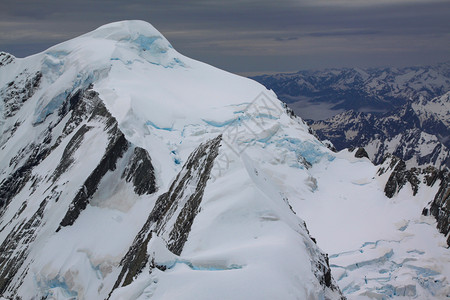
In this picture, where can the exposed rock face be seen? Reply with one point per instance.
(397, 179)
(83, 111)
(321, 268)
(440, 206)
(15, 247)
(12, 185)
(198, 166)
(141, 172)
(19, 91)
(174, 211)
(6, 58)
(361, 152)
(401, 175)
(108, 163)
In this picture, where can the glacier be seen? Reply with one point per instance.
(129, 171)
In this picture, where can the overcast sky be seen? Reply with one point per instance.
(244, 36)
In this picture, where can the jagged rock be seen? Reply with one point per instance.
(361, 152)
(107, 163)
(440, 206)
(141, 172)
(6, 58)
(15, 182)
(329, 145)
(397, 179)
(401, 175)
(200, 162)
(195, 173)
(19, 91)
(67, 157)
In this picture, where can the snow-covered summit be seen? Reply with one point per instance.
(129, 30)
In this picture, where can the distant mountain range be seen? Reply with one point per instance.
(405, 112)
(362, 90)
(417, 132)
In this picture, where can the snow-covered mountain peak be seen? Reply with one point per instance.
(124, 138)
(107, 41)
(135, 70)
(129, 30)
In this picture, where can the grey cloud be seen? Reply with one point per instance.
(344, 33)
(250, 35)
(283, 39)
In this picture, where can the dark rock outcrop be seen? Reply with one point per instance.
(19, 91)
(141, 172)
(361, 152)
(6, 58)
(320, 265)
(15, 247)
(67, 157)
(14, 183)
(107, 163)
(440, 206)
(397, 179)
(82, 111)
(401, 175)
(194, 174)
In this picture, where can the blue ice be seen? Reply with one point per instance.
(312, 152)
(172, 264)
(62, 285)
(146, 41)
(81, 82)
(150, 123)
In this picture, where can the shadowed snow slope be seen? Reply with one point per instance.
(129, 171)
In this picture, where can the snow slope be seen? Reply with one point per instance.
(97, 108)
(129, 171)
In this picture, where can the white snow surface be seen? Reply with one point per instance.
(246, 242)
